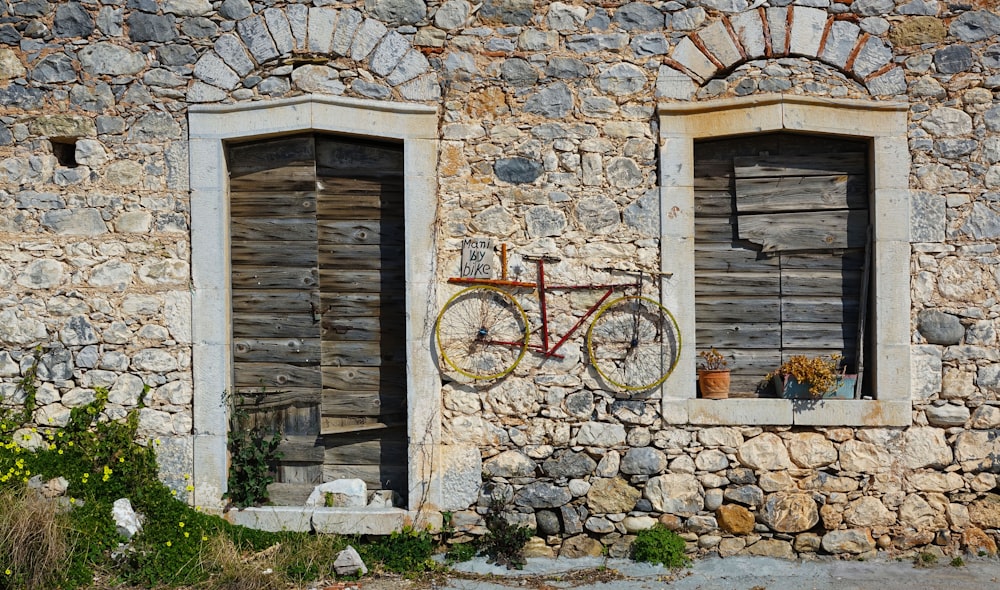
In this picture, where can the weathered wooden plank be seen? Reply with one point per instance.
(820, 283)
(362, 232)
(801, 193)
(349, 157)
(361, 450)
(288, 178)
(830, 336)
(713, 203)
(298, 351)
(350, 424)
(266, 154)
(708, 167)
(361, 403)
(842, 260)
(720, 230)
(276, 377)
(264, 301)
(351, 256)
(361, 208)
(261, 202)
(805, 230)
(246, 276)
(725, 257)
(300, 473)
(342, 280)
(364, 378)
(377, 477)
(713, 183)
(747, 361)
(302, 449)
(737, 309)
(300, 420)
(726, 283)
(355, 353)
(300, 254)
(341, 304)
(819, 309)
(273, 228)
(746, 386)
(275, 325)
(348, 328)
(739, 335)
(264, 398)
(801, 165)
(291, 494)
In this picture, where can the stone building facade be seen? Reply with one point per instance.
(563, 129)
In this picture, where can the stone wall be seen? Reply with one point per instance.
(549, 142)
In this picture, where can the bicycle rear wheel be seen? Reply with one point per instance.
(482, 332)
(634, 343)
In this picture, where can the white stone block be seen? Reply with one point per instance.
(777, 21)
(739, 411)
(720, 44)
(343, 493)
(807, 31)
(750, 31)
(273, 518)
(688, 55)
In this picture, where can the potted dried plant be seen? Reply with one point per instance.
(814, 377)
(713, 375)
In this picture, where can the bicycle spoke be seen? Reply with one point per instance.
(633, 343)
(482, 333)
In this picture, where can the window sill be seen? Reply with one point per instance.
(784, 412)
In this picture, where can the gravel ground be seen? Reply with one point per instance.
(737, 573)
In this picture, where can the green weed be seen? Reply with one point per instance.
(660, 545)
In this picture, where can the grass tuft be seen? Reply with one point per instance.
(33, 533)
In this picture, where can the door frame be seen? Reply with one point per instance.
(210, 126)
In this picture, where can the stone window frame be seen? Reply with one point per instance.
(210, 127)
(884, 125)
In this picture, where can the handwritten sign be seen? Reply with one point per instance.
(477, 258)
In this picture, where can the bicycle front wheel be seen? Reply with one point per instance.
(634, 343)
(482, 332)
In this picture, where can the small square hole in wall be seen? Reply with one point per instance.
(64, 150)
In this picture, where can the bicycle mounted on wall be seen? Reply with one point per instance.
(482, 332)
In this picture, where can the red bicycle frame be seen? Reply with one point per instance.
(543, 288)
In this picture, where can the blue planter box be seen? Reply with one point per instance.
(792, 389)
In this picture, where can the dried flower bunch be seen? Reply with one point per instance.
(821, 373)
(712, 360)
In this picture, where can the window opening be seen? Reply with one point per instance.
(64, 150)
(781, 239)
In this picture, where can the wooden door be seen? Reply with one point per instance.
(361, 238)
(318, 306)
(780, 230)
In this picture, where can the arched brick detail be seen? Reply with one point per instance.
(765, 33)
(308, 37)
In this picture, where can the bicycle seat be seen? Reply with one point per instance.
(543, 258)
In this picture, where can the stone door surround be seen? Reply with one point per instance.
(416, 126)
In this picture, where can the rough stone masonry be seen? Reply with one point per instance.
(549, 142)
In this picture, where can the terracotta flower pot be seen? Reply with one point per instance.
(714, 384)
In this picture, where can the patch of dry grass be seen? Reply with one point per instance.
(34, 535)
(232, 569)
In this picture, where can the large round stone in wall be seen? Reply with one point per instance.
(789, 513)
